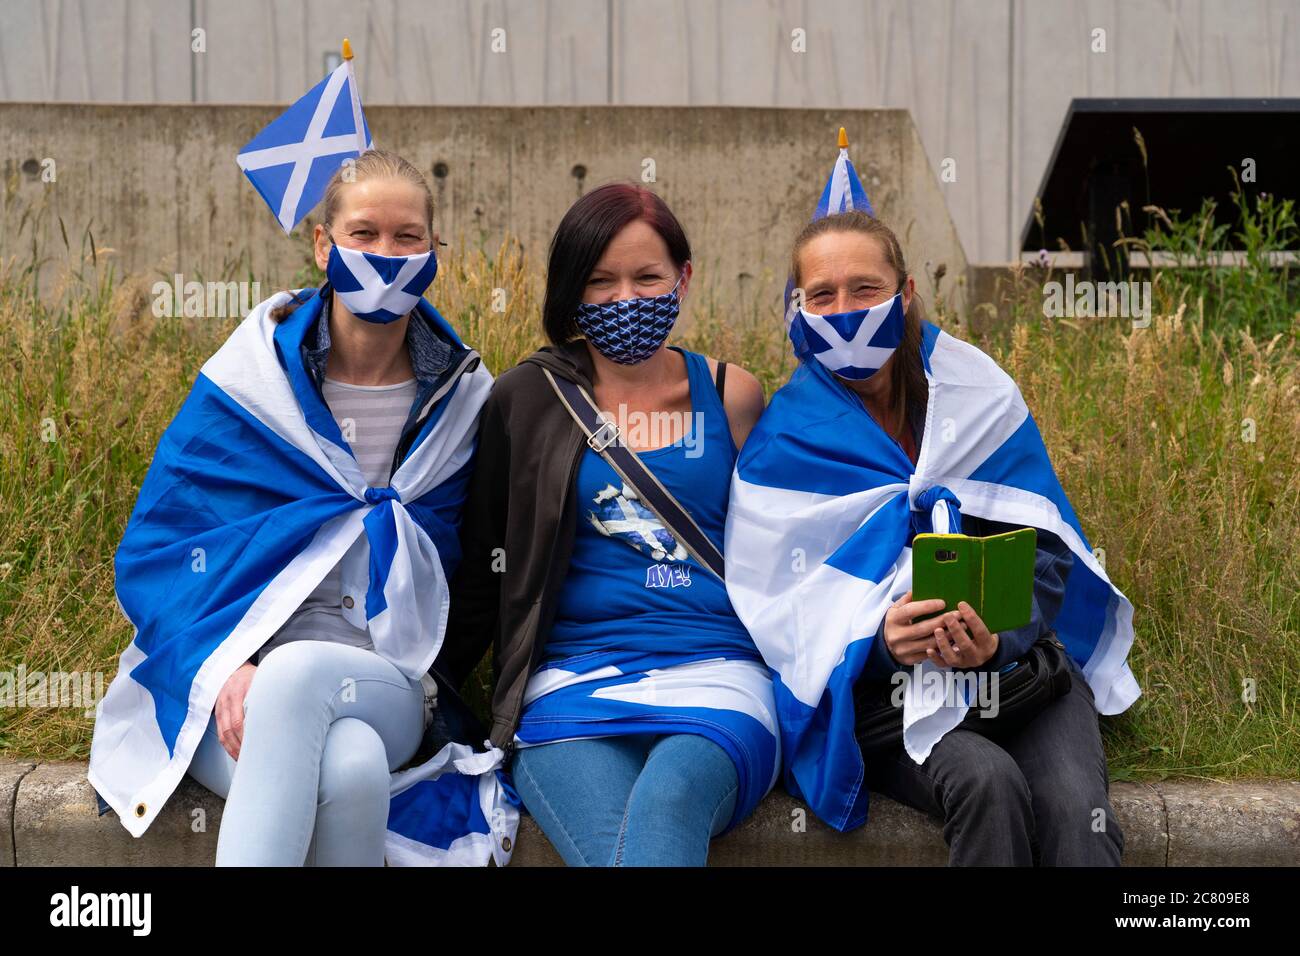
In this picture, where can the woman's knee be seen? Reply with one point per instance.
(983, 773)
(290, 675)
(684, 769)
(1074, 803)
(354, 765)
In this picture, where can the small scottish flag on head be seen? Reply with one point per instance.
(843, 190)
(853, 345)
(291, 161)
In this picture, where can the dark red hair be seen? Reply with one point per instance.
(581, 238)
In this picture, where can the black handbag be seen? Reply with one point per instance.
(1024, 688)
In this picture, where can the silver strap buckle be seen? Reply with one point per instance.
(430, 687)
(596, 440)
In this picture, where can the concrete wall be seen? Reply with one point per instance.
(987, 81)
(159, 184)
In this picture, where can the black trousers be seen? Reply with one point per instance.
(1039, 795)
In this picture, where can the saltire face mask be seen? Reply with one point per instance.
(853, 345)
(379, 288)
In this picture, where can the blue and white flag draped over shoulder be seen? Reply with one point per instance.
(252, 498)
(634, 691)
(823, 508)
(291, 161)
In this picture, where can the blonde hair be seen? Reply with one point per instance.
(372, 164)
(375, 164)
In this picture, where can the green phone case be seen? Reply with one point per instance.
(994, 575)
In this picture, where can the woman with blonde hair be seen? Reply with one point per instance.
(286, 563)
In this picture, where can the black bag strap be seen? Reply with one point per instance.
(720, 380)
(603, 438)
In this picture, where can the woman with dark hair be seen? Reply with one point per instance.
(637, 709)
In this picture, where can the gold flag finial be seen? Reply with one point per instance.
(844, 137)
(347, 49)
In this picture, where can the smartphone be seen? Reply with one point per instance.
(994, 575)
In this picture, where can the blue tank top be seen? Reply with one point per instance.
(630, 585)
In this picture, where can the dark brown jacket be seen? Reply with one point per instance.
(519, 515)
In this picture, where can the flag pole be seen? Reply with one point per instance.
(356, 96)
(844, 137)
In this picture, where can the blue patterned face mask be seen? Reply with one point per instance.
(632, 330)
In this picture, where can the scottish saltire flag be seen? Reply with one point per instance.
(252, 497)
(634, 691)
(843, 191)
(456, 809)
(823, 508)
(291, 161)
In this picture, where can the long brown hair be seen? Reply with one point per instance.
(372, 164)
(908, 388)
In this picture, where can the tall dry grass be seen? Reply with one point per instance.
(1180, 450)
(1148, 430)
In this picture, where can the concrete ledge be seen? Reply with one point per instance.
(1233, 824)
(54, 821)
(11, 772)
(783, 832)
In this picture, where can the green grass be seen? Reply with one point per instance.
(1145, 428)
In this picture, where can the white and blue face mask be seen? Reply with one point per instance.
(379, 288)
(631, 330)
(853, 345)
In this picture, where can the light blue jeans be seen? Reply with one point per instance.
(324, 724)
(633, 800)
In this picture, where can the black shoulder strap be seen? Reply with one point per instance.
(720, 380)
(603, 438)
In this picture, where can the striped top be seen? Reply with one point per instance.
(371, 419)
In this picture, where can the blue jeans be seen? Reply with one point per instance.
(632, 800)
(324, 724)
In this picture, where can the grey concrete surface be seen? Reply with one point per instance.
(1233, 824)
(11, 772)
(988, 81)
(57, 823)
(159, 189)
(1176, 823)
